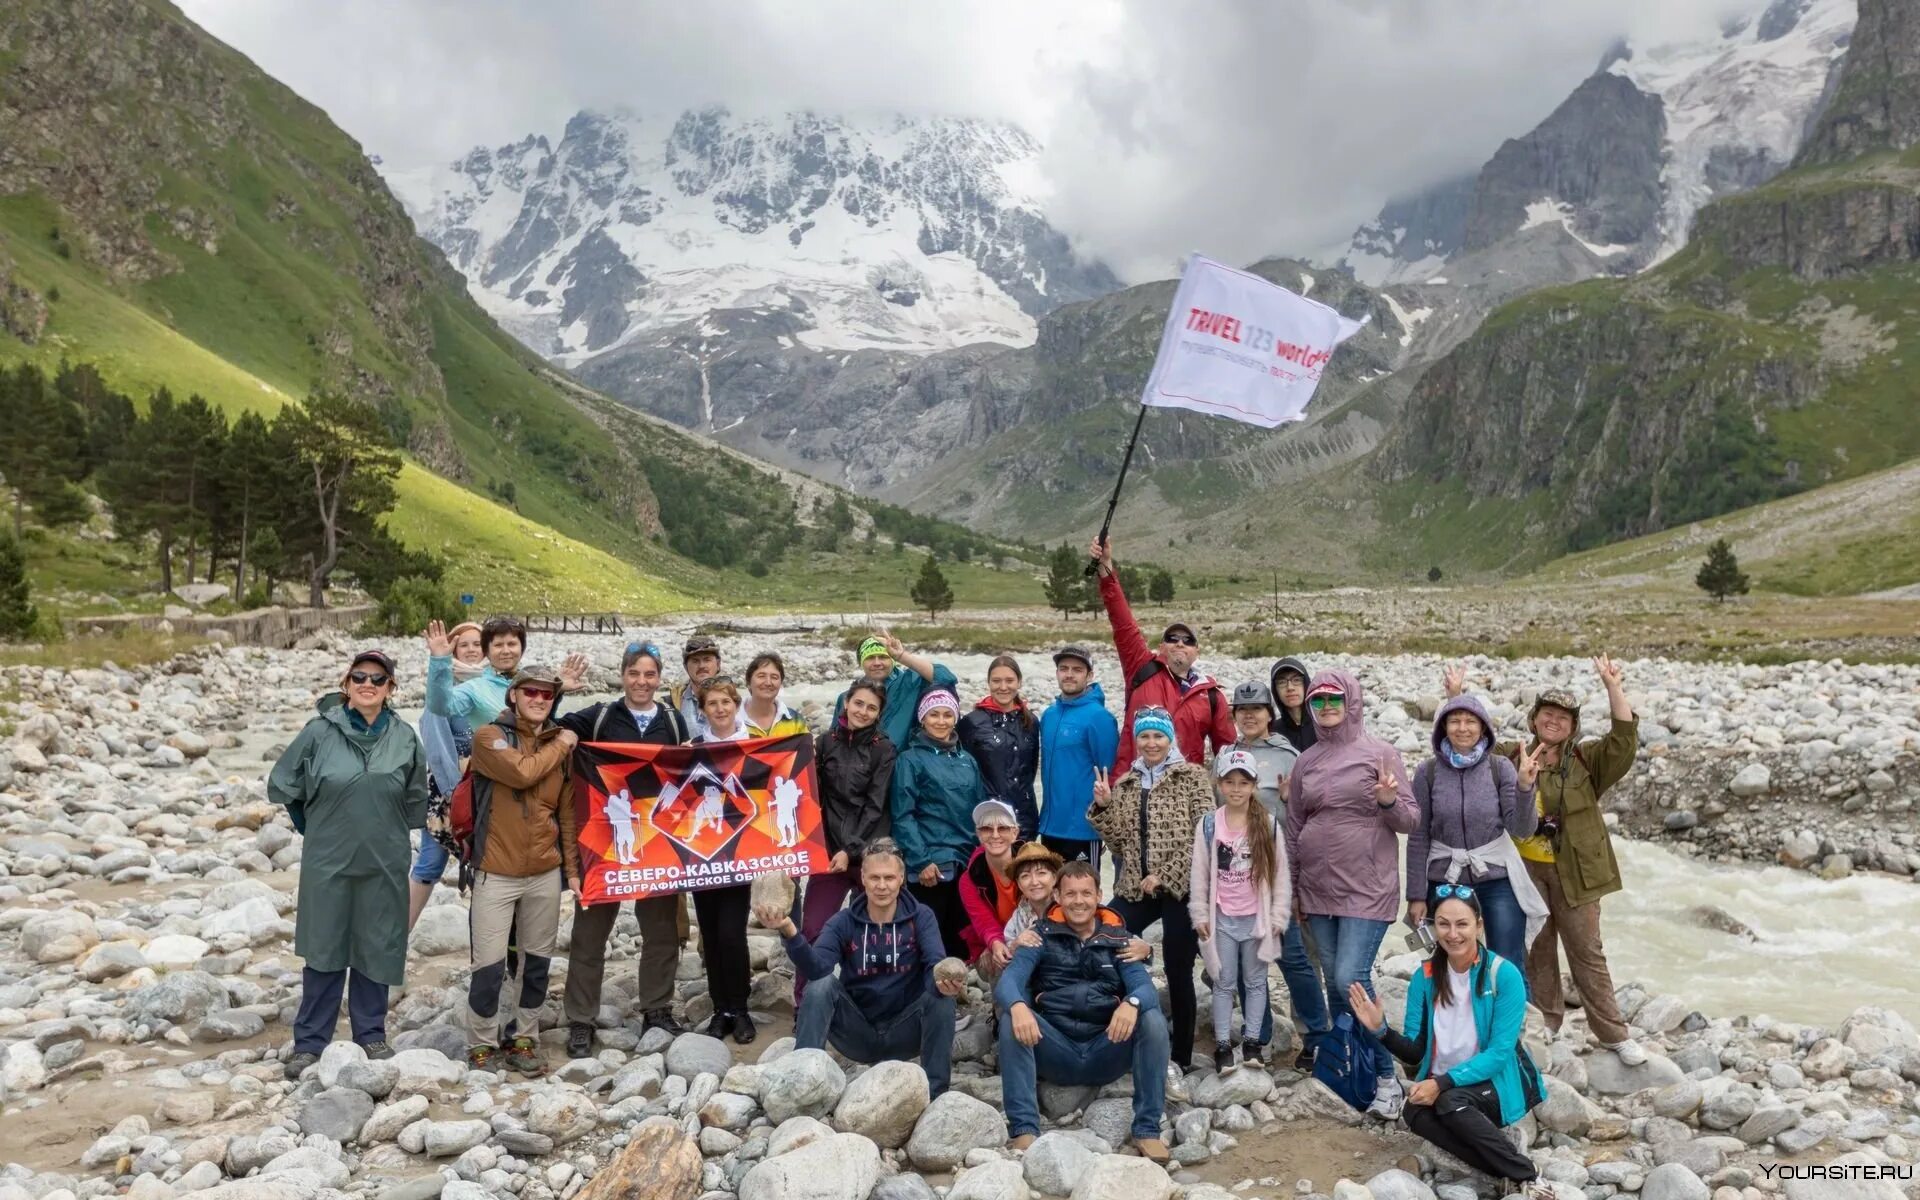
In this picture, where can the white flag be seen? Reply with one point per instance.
(1238, 346)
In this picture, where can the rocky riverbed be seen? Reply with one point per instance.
(147, 982)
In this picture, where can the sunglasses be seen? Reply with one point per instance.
(647, 648)
(376, 678)
(1181, 639)
(538, 693)
(1453, 891)
(1328, 702)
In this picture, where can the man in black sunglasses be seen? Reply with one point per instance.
(1163, 677)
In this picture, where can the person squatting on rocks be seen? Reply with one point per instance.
(1473, 804)
(354, 783)
(1148, 816)
(1570, 857)
(1348, 799)
(1241, 902)
(1253, 716)
(936, 789)
(524, 849)
(1004, 738)
(907, 677)
(449, 741)
(722, 911)
(853, 768)
(1078, 738)
(636, 718)
(872, 992)
(987, 890)
(1163, 678)
(1466, 1011)
(1074, 1011)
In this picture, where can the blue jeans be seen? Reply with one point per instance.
(1348, 946)
(1506, 920)
(922, 1030)
(1060, 1059)
(430, 863)
(1308, 998)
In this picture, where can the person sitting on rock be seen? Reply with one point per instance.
(354, 782)
(871, 990)
(1466, 1010)
(1570, 857)
(1073, 1011)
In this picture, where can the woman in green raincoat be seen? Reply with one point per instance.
(354, 782)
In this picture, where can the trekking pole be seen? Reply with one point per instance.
(1113, 502)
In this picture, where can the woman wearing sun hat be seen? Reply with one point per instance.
(354, 783)
(936, 788)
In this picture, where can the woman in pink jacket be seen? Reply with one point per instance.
(1240, 900)
(1348, 800)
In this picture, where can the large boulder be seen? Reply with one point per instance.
(338, 1113)
(952, 1125)
(58, 936)
(997, 1180)
(842, 1167)
(1609, 1076)
(181, 998)
(806, 1083)
(1055, 1162)
(1119, 1177)
(1673, 1181)
(563, 1115)
(659, 1162)
(694, 1054)
(884, 1103)
(442, 930)
(1241, 1087)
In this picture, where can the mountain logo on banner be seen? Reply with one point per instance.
(705, 812)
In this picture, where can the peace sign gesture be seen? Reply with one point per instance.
(1453, 678)
(1529, 764)
(1609, 672)
(1102, 787)
(439, 645)
(1386, 787)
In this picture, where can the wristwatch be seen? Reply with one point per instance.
(1134, 1000)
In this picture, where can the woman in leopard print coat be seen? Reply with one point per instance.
(1146, 818)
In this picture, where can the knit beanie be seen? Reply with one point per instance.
(1153, 720)
(937, 698)
(873, 647)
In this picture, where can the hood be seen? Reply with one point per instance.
(333, 706)
(1093, 695)
(924, 740)
(1285, 664)
(1458, 704)
(1354, 727)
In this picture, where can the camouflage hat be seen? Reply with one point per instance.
(536, 673)
(1557, 698)
(699, 643)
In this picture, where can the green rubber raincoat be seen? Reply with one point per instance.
(355, 792)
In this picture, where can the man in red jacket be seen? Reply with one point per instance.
(1163, 677)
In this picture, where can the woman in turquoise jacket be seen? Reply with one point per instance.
(1466, 1008)
(936, 787)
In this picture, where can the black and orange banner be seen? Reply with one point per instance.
(661, 819)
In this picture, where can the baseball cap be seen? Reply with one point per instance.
(994, 812)
(1328, 688)
(1180, 627)
(1253, 695)
(1073, 650)
(1230, 761)
(375, 656)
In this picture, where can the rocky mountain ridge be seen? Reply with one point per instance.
(890, 232)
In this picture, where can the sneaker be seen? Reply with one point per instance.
(579, 1040)
(298, 1064)
(1153, 1150)
(1631, 1052)
(377, 1050)
(480, 1058)
(1250, 1052)
(523, 1056)
(1176, 1083)
(1223, 1057)
(1388, 1099)
(743, 1030)
(662, 1018)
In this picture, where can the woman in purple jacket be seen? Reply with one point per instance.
(1348, 798)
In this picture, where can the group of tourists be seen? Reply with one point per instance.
(984, 835)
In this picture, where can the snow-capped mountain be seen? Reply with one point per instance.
(897, 233)
(1618, 170)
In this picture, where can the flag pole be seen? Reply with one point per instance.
(1113, 502)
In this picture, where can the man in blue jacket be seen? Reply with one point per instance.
(885, 1002)
(1077, 734)
(1074, 1012)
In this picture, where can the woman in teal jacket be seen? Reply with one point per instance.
(936, 787)
(1466, 1008)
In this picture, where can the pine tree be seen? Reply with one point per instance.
(930, 590)
(17, 614)
(147, 481)
(1066, 585)
(348, 470)
(1720, 576)
(1160, 588)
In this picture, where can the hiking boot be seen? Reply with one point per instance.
(661, 1018)
(1152, 1149)
(1222, 1057)
(377, 1050)
(743, 1030)
(1631, 1053)
(1020, 1143)
(579, 1040)
(1303, 1061)
(523, 1056)
(297, 1065)
(1388, 1099)
(480, 1058)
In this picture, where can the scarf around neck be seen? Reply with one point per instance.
(1470, 758)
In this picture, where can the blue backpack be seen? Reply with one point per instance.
(1348, 1062)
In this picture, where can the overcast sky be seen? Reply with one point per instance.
(1238, 128)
